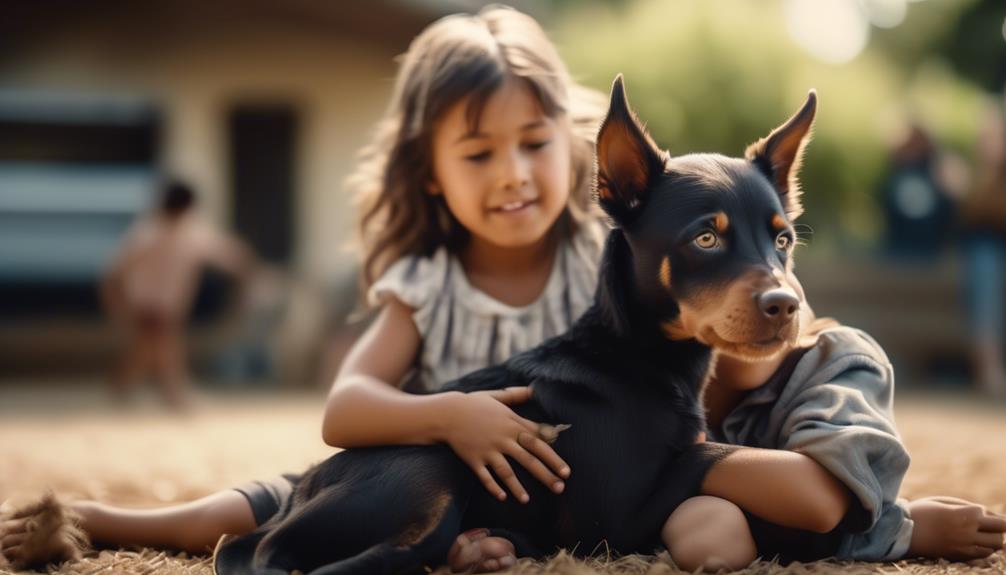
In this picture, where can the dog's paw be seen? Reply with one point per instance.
(46, 531)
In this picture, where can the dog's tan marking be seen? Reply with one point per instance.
(665, 273)
(604, 188)
(726, 318)
(419, 530)
(675, 330)
(627, 156)
(721, 222)
(621, 169)
(693, 314)
(701, 308)
(779, 223)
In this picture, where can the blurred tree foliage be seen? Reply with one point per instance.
(969, 50)
(716, 75)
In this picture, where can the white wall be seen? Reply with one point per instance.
(338, 84)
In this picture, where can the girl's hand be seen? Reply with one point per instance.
(955, 529)
(482, 430)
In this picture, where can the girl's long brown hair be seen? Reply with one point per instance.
(458, 57)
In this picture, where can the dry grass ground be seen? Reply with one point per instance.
(70, 440)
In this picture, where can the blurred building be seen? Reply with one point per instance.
(261, 106)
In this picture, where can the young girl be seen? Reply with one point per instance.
(479, 242)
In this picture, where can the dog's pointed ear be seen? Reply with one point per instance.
(780, 154)
(627, 158)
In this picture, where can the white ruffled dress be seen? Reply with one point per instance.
(464, 329)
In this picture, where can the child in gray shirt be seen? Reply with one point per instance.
(823, 474)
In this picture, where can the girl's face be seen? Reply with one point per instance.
(508, 182)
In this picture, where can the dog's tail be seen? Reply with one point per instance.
(234, 555)
(387, 558)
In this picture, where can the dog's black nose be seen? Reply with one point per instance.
(779, 303)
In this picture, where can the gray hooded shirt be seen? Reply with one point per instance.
(833, 402)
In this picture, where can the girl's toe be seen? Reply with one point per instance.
(12, 540)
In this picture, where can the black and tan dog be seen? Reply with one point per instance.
(698, 263)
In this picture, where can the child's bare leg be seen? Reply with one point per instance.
(709, 533)
(194, 527)
(173, 372)
(990, 371)
(134, 364)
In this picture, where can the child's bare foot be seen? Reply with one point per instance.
(955, 529)
(475, 551)
(43, 532)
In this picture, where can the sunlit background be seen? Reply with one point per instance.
(905, 93)
(261, 106)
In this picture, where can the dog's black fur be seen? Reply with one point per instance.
(627, 376)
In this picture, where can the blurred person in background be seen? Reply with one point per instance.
(984, 222)
(917, 200)
(149, 287)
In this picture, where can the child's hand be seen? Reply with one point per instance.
(482, 430)
(955, 529)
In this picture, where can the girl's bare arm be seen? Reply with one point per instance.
(364, 408)
(783, 487)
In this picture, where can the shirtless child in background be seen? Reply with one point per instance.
(149, 287)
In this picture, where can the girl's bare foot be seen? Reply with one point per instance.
(475, 551)
(43, 532)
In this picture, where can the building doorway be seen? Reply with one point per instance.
(263, 156)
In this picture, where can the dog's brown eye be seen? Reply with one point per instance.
(707, 240)
(782, 242)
